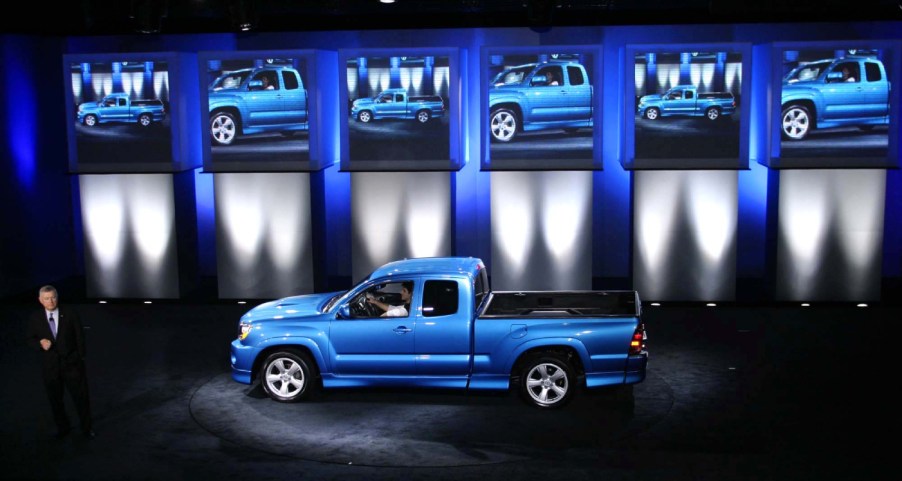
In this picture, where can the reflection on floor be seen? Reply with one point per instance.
(736, 392)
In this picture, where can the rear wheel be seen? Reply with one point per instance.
(287, 376)
(144, 120)
(712, 113)
(423, 116)
(547, 380)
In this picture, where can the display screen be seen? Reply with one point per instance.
(687, 111)
(834, 106)
(540, 109)
(121, 116)
(400, 110)
(257, 112)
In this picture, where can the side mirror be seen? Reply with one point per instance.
(255, 85)
(344, 312)
(834, 77)
(538, 80)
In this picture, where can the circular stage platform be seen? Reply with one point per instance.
(424, 428)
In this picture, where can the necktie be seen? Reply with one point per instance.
(52, 326)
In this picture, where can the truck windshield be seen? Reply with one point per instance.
(512, 76)
(809, 71)
(230, 80)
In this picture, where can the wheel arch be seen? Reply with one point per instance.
(513, 107)
(236, 114)
(300, 345)
(809, 104)
(572, 350)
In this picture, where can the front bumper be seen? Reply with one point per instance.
(242, 361)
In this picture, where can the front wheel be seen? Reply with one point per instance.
(652, 113)
(91, 120)
(504, 125)
(144, 120)
(547, 381)
(287, 376)
(364, 116)
(423, 116)
(712, 113)
(223, 128)
(796, 122)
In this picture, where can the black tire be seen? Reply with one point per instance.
(423, 116)
(652, 113)
(365, 116)
(90, 120)
(223, 128)
(547, 380)
(795, 122)
(712, 114)
(288, 376)
(503, 124)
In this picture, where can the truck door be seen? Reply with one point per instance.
(681, 102)
(117, 110)
(294, 99)
(443, 331)
(844, 96)
(549, 101)
(876, 91)
(579, 94)
(264, 104)
(368, 344)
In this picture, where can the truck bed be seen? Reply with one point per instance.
(562, 304)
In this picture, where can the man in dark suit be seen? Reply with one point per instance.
(57, 334)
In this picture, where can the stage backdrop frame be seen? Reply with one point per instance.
(105, 148)
(389, 160)
(849, 152)
(689, 160)
(506, 153)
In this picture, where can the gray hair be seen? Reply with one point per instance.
(47, 288)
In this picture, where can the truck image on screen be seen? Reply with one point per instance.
(120, 107)
(539, 96)
(686, 100)
(256, 100)
(396, 104)
(838, 92)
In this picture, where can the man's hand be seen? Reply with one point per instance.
(45, 343)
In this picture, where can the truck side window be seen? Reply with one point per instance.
(399, 97)
(122, 102)
(440, 298)
(850, 72)
(872, 72)
(689, 94)
(291, 80)
(576, 76)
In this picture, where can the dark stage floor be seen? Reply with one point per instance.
(737, 392)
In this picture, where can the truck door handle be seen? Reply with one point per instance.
(402, 329)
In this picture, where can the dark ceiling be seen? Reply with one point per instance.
(114, 17)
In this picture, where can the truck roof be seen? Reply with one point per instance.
(429, 265)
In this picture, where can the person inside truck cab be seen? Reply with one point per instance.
(401, 310)
(847, 74)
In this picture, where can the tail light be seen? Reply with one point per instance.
(637, 342)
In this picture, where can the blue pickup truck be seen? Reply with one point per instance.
(838, 92)
(396, 104)
(448, 330)
(121, 108)
(686, 100)
(539, 96)
(255, 101)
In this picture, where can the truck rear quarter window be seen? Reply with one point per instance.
(440, 298)
(291, 80)
(576, 76)
(872, 71)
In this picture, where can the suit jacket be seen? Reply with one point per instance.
(68, 349)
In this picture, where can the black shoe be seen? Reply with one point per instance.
(89, 434)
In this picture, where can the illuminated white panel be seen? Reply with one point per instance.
(399, 215)
(129, 229)
(541, 230)
(733, 76)
(380, 79)
(161, 84)
(97, 85)
(684, 246)
(263, 234)
(639, 77)
(76, 87)
(352, 82)
(127, 82)
(695, 74)
(707, 74)
(441, 78)
(830, 234)
(664, 72)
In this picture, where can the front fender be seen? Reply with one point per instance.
(291, 341)
(797, 94)
(227, 101)
(505, 97)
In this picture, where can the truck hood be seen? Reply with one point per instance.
(363, 101)
(646, 98)
(295, 306)
(89, 105)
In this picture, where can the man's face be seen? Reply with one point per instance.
(48, 300)
(405, 294)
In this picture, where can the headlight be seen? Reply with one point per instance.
(243, 330)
